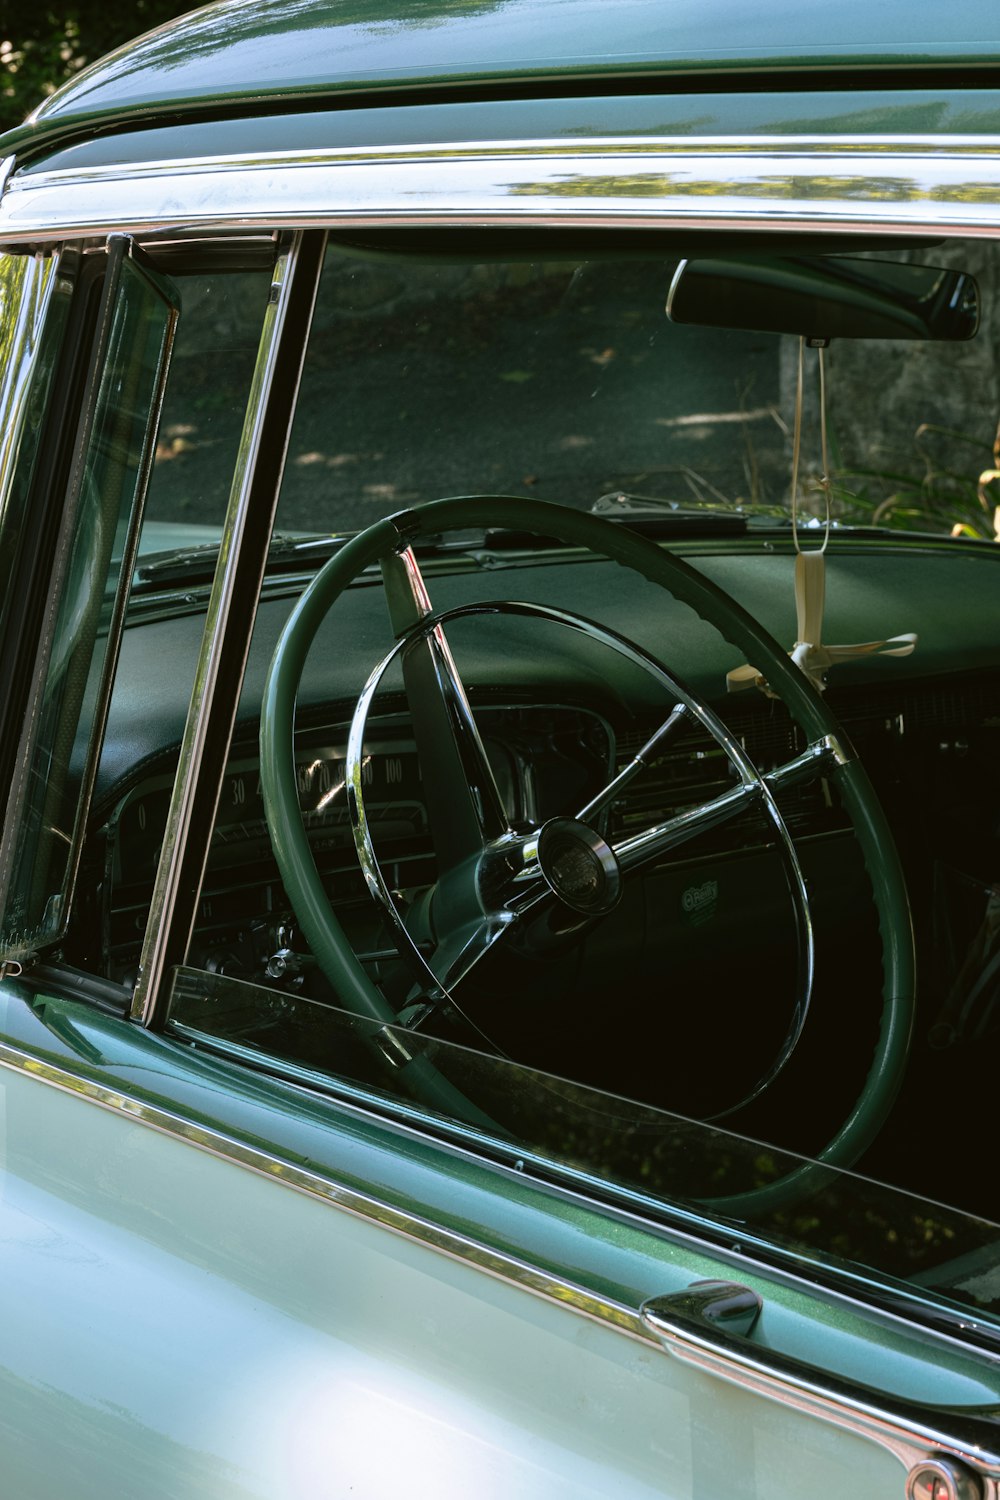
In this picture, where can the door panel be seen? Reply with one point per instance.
(213, 1329)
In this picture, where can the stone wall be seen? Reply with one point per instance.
(911, 424)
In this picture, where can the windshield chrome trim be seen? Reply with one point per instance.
(840, 184)
(884, 1424)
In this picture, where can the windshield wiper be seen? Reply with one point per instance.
(191, 566)
(658, 516)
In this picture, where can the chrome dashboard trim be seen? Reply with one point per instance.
(850, 183)
(884, 1427)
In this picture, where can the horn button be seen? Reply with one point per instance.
(579, 866)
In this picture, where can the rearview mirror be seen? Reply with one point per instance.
(826, 297)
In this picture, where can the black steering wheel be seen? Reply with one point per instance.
(495, 880)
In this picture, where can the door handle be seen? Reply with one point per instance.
(709, 1325)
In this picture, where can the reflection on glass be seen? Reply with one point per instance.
(212, 364)
(833, 1218)
(29, 341)
(109, 476)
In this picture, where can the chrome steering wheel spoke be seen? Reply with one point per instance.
(816, 760)
(464, 805)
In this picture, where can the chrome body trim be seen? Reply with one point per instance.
(693, 1325)
(366, 1206)
(850, 183)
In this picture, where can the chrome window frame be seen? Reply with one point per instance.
(861, 185)
(235, 595)
(122, 261)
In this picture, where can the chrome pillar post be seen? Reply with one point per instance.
(225, 644)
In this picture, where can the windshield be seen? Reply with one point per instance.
(565, 381)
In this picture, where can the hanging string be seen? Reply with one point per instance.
(825, 483)
(809, 653)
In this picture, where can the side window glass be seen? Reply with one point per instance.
(94, 557)
(211, 367)
(511, 713)
(541, 1123)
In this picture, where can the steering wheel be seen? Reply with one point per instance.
(494, 880)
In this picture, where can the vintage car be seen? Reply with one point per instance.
(499, 728)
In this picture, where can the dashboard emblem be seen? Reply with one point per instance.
(698, 902)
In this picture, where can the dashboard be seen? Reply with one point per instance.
(543, 760)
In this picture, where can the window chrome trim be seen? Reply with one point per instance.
(235, 592)
(855, 184)
(890, 1424)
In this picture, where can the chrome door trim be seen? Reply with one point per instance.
(687, 1326)
(378, 1211)
(849, 184)
(882, 1428)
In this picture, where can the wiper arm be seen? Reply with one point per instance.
(190, 566)
(661, 518)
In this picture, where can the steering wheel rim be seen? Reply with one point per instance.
(323, 930)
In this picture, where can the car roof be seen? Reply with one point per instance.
(255, 56)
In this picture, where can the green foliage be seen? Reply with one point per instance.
(41, 47)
